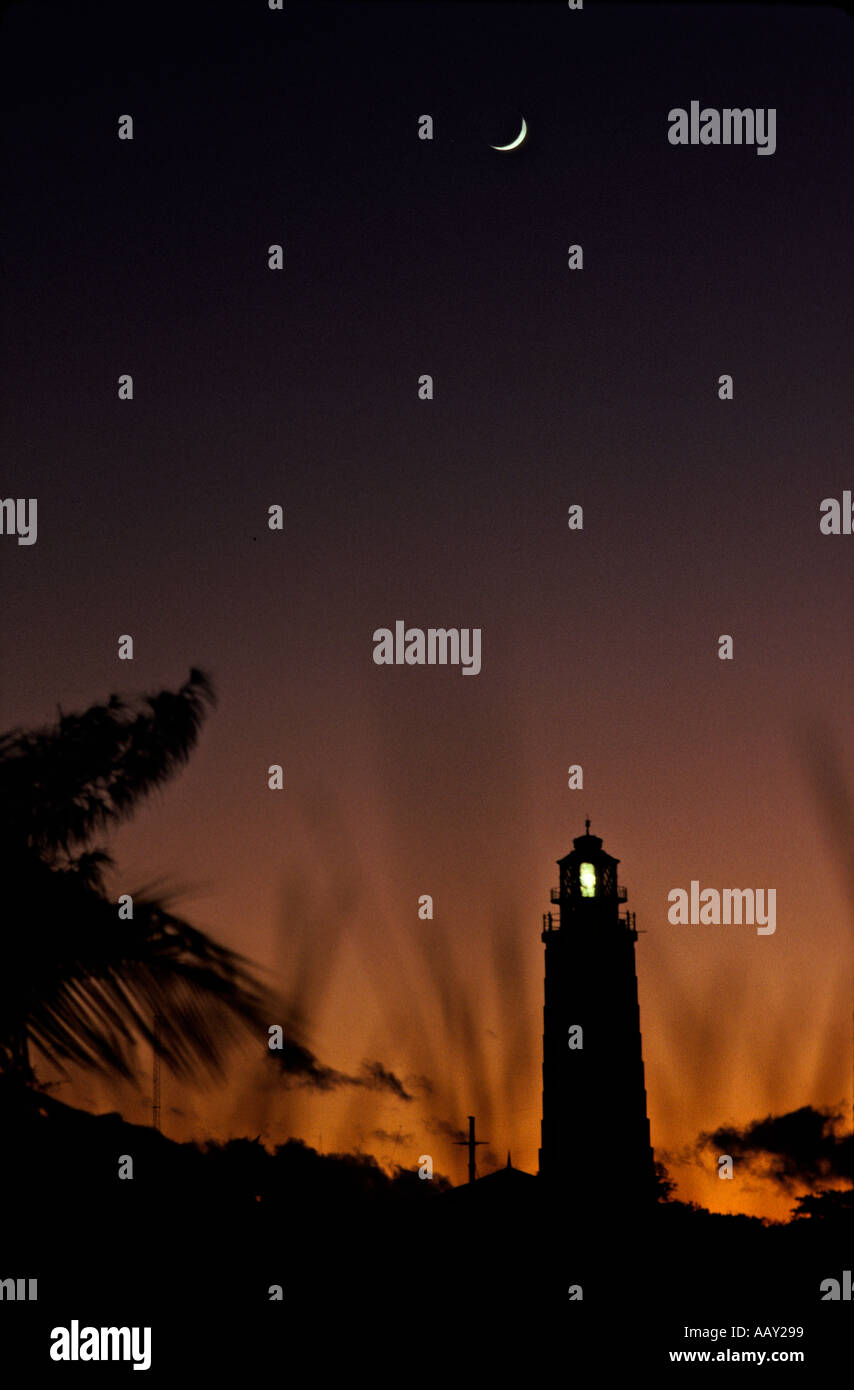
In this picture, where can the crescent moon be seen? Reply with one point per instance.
(514, 143)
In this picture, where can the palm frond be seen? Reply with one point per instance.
(61, 784)
(79, 983)
(87, 985)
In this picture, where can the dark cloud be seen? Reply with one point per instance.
(436, 1125)
(417, 1082)
(376, 1078)
(799, 1148)
(386, 1138)
(302, 1068)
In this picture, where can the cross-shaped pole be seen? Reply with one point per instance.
(471, 1144)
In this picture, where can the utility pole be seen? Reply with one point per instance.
(471, 1144)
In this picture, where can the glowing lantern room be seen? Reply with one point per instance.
(588, 876)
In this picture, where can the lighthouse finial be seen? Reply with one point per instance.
(587, 826)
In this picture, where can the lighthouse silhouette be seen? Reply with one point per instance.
(595, 1130)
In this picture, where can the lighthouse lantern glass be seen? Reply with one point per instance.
(587, 879)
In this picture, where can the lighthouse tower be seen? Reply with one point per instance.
(595, 1131)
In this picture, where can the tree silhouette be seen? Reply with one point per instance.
(663, 1185)
(77, 982)
(833, 1204)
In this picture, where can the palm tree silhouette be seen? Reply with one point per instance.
(78, 983)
